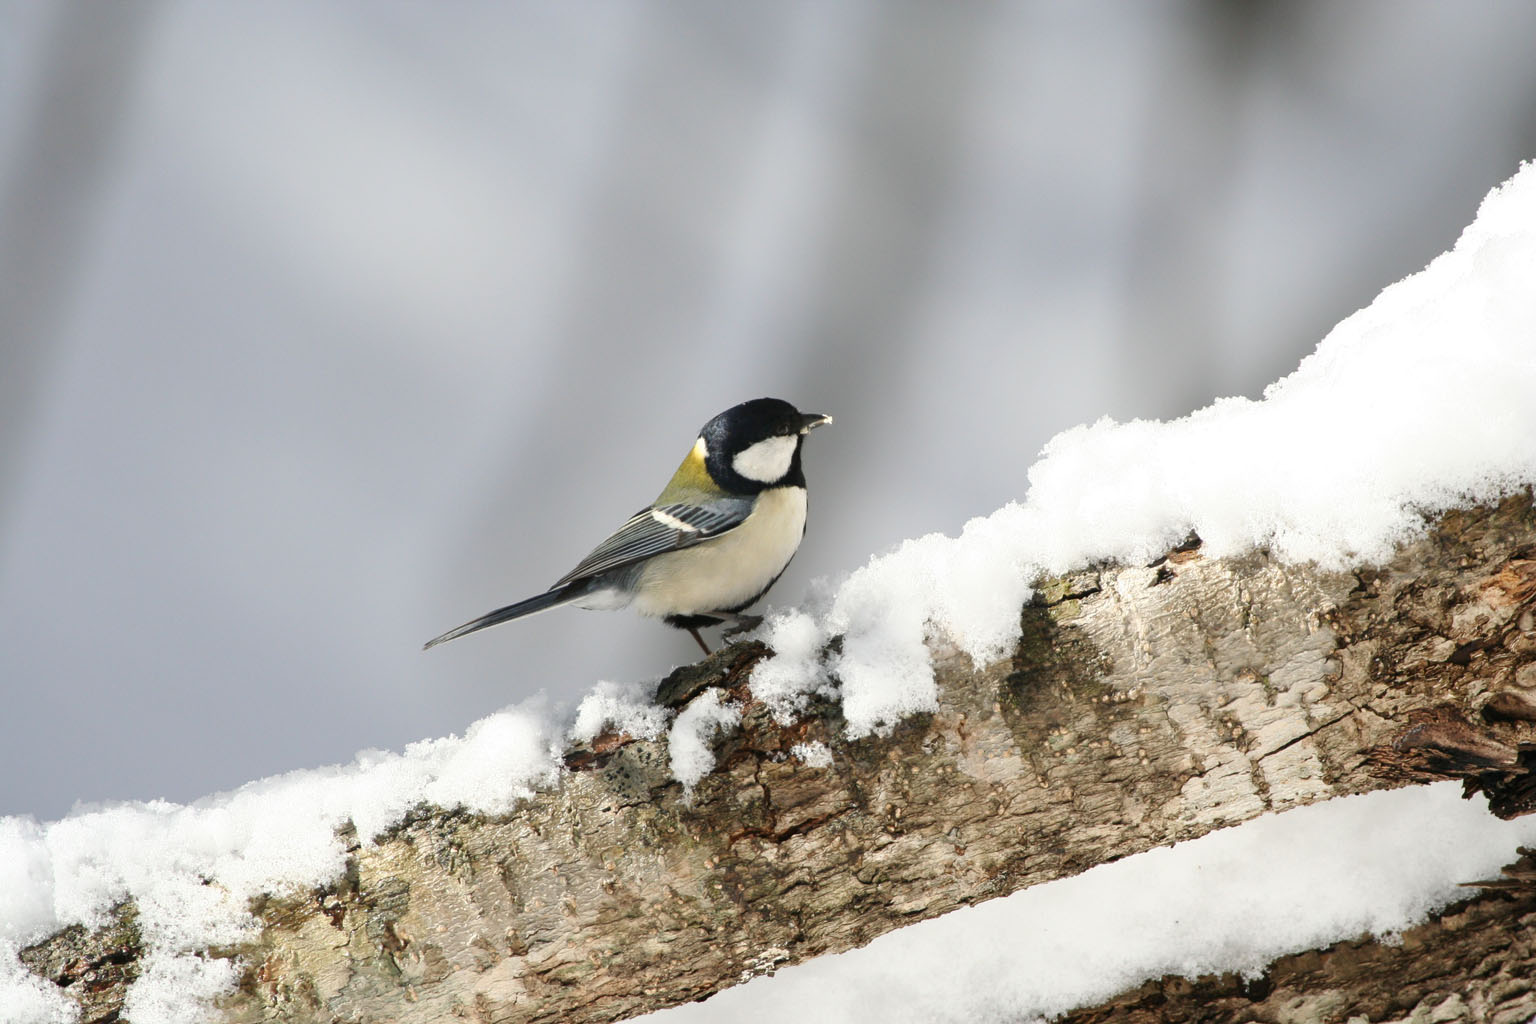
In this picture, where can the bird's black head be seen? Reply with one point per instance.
(756, 445)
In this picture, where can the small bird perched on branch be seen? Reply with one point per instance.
(716, 538)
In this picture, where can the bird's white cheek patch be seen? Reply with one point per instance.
(767, 461)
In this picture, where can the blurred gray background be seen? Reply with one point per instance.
(327, 326)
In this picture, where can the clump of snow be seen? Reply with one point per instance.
(815, 753)
(967, 590)
(688, 742)
(1418, 403)
(625, 707)
(192, 870)
(500, 761)
(1232, 900)
(24, 997)
(26, 877)
(177, 988)
(785, 682)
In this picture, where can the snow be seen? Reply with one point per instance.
(1415, 404)
(622, 707)
(1233, 900)
(781, 682)
(175, 988)
(688, 742)
(1418, 403)
(26, 998)
(815, 753)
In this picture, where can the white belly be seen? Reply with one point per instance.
(730, 570)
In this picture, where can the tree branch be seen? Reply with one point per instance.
(1143, 705)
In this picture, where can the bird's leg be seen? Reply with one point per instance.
(739, 623)
(694, 630)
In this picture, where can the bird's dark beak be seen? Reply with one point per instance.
(811, 420)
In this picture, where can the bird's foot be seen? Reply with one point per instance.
(740, 624)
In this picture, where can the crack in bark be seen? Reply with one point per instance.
(1313, 729)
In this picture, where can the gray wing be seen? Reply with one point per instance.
(659, 529)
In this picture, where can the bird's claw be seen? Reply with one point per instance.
(741, 624)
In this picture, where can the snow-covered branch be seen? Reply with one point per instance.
(1143, 705)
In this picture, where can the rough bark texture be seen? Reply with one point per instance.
(1143, 705)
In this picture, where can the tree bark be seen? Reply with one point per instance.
(1143, 705)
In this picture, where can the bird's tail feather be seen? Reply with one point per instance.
(541, 602)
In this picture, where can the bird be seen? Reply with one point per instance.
(718, 536)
